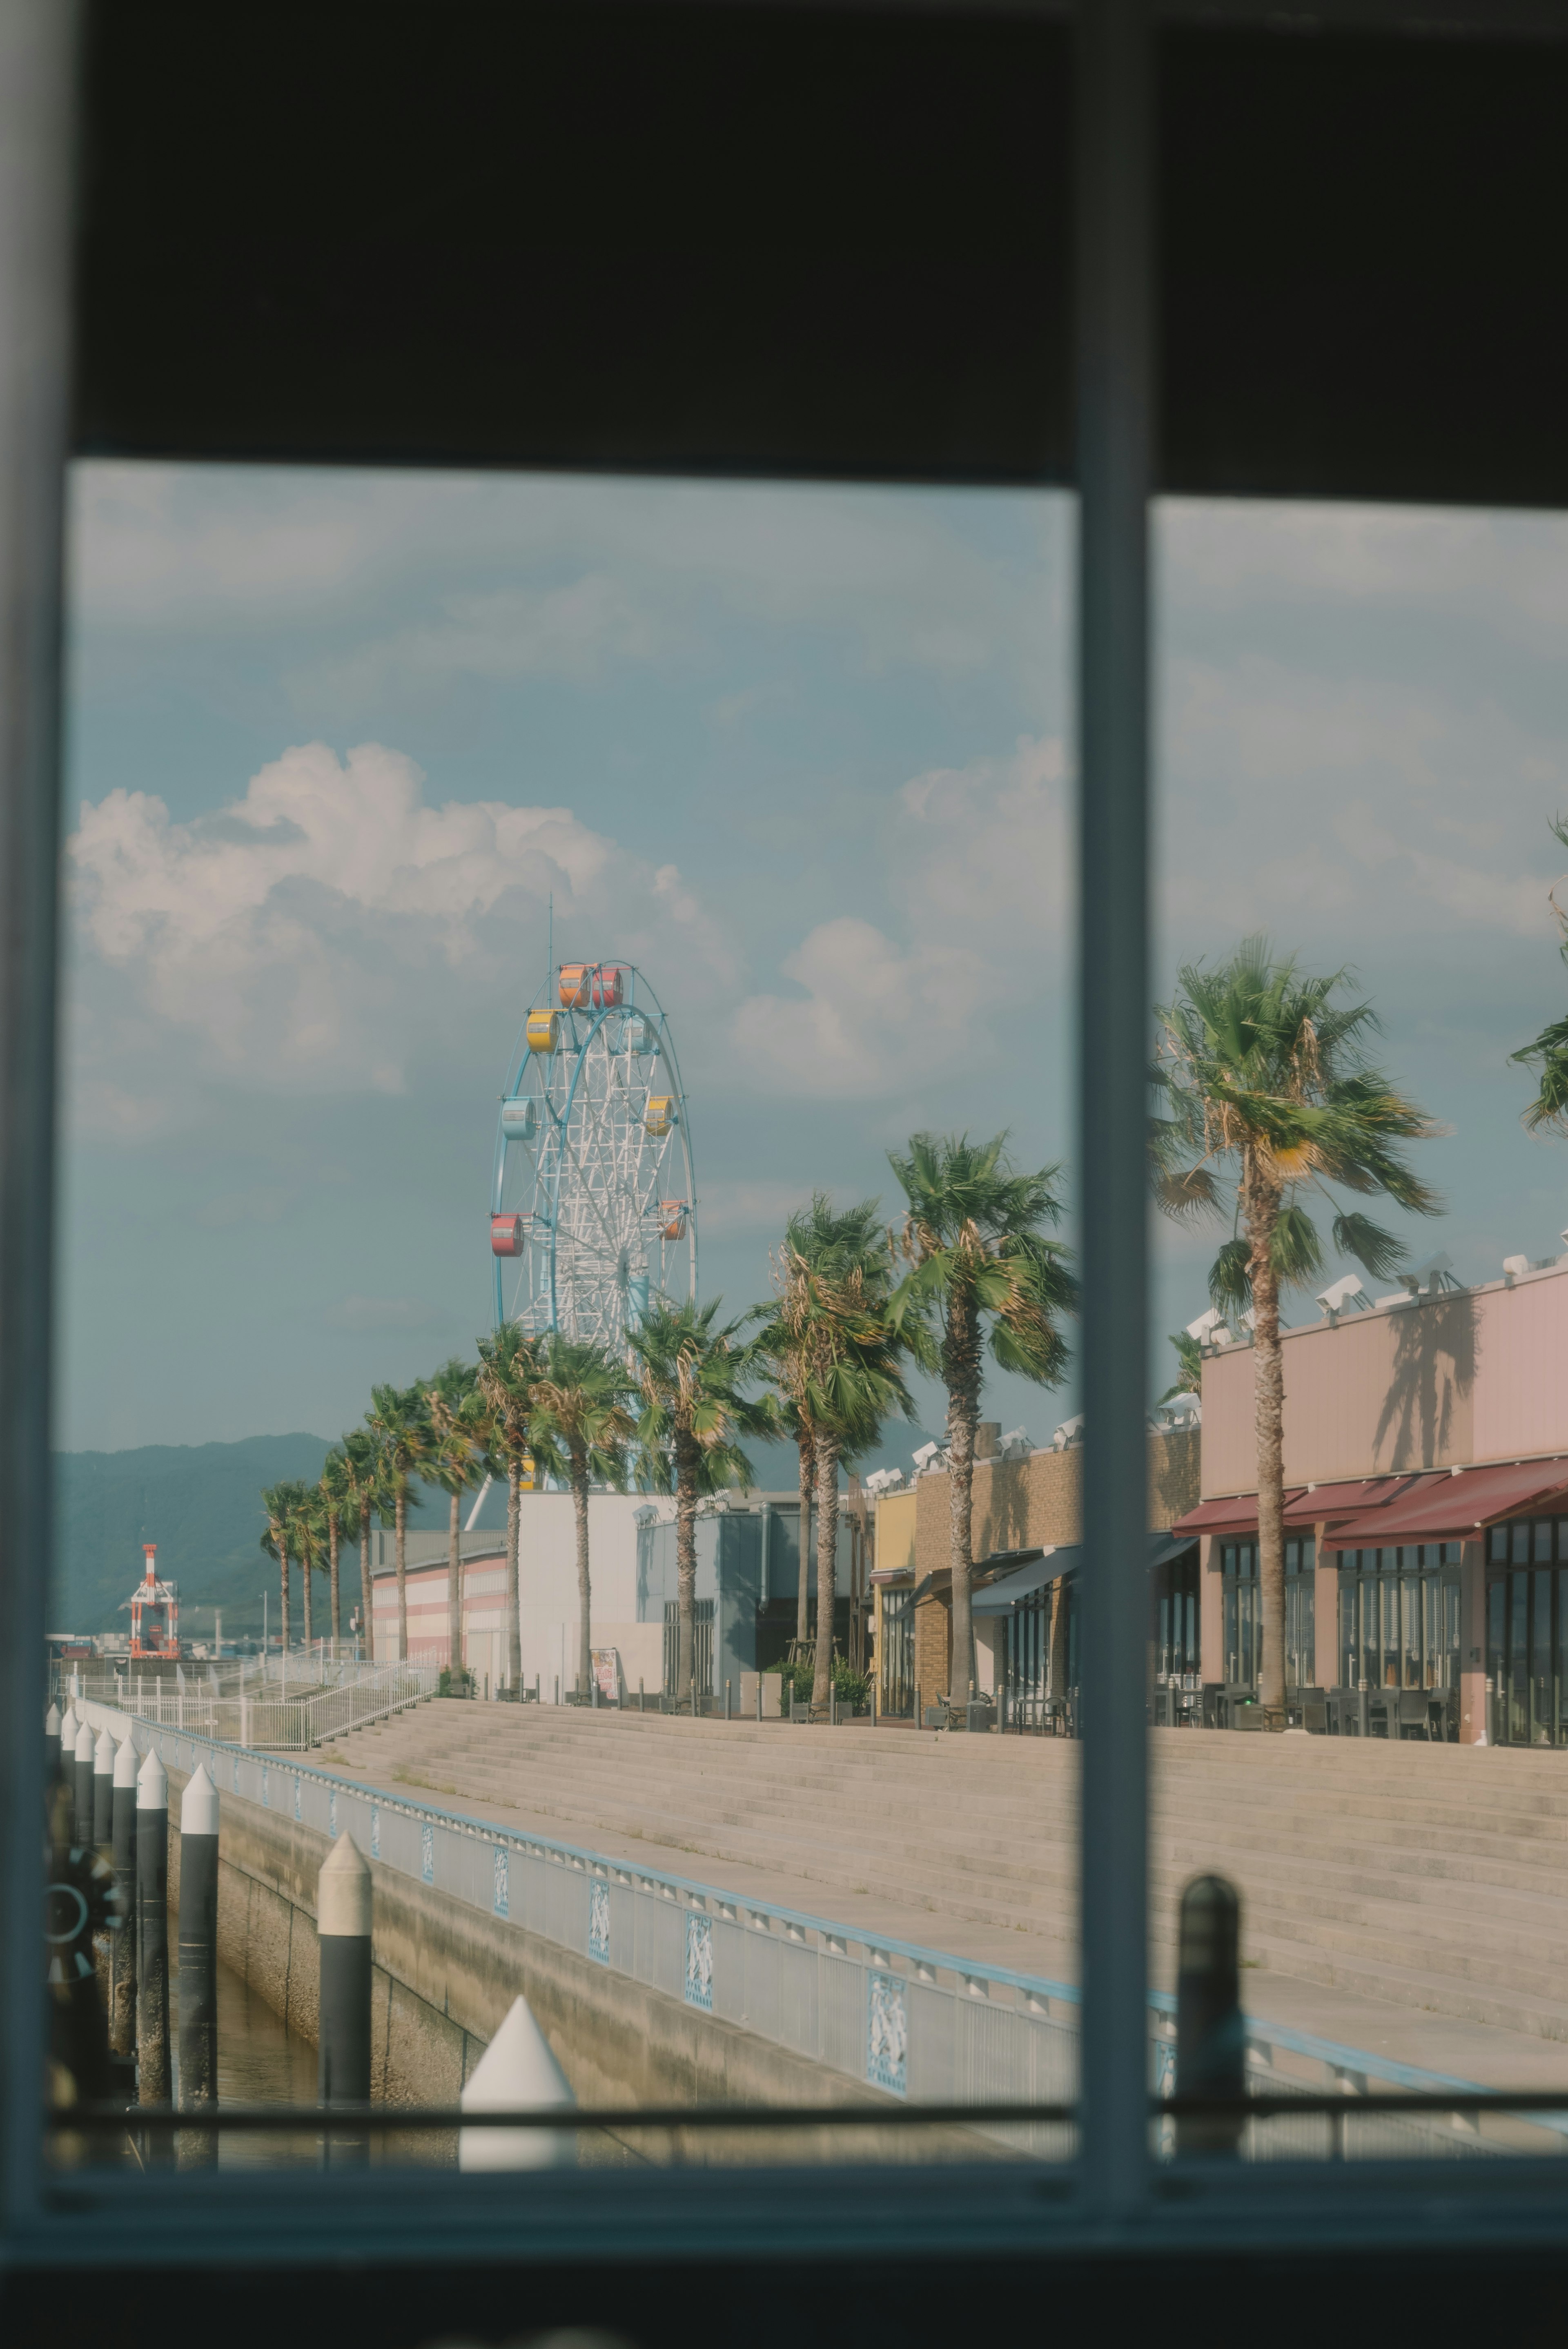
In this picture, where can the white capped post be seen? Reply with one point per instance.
(518, 2069)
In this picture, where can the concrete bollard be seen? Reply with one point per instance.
(1211, 2031)
(517, 2069)
(122, 1962)
(82, 1788)
(103, 1789)
(198, 1950)
(343, 1901)
(51, 1745)
(152, 2081)
(727, 1711)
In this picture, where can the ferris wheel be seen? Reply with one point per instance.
(592, 1208)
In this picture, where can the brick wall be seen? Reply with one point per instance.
(1032, 1504)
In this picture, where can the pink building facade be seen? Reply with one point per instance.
(1426, 1453)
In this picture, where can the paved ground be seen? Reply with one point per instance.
(1453, 2044)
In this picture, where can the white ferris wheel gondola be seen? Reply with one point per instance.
(593, 1213)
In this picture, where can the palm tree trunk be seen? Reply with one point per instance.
(332, 1571)
(364, 1581)
(284, 1617)
(803, 1596)
(827, 1565)
(514, 1614)
(685, 1570)
(1056, 1686)
(585, 1596)
(455, 1589)
(304, 1567)
(401, 1529)
(1260, 1209)
(961, 1373)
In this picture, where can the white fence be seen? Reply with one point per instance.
(920, 2024)
(251, 1711)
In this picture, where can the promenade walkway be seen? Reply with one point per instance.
(1409, 1900)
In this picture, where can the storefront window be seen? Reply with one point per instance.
(1399, 1617)
(1527, 1633)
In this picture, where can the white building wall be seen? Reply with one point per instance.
(547, 1598)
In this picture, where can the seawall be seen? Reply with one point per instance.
(446, 1974)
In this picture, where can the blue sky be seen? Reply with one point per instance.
(802, 753)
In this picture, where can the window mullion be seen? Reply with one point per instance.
(1114, 423)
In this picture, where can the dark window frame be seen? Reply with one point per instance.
(1508, 445)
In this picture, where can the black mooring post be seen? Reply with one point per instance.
(152, 2064)
(343, 1920)
(103, 1790)
(199, 1960)
(82, 1786)
(1211, 2033)
(122, 1950)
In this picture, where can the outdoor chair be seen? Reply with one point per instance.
(1415, 1711)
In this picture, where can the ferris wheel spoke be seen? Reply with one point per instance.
(589, 1181)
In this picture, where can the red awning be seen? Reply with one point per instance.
(1305, 1505)
(1236, 1514)
(1447, 1503)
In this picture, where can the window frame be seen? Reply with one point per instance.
(1117, 2196)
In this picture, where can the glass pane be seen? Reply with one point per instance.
(1519, 1659)
(1431, 1632)
(498, 906)
(1305, 656)
(1541, 1655)
(1410, 1630)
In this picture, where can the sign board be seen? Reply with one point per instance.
(607, 1672)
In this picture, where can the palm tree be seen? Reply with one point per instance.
(508, 1373)
(279, 1541)
(785, 1364)
(690, 1374)
(459, 1418)
(835, 1315)
(367, 1491)
(400, 1418)
(1550, 1107)
(1269, 1096)
(1188, 1366)
(308, 1516)
(336, 1497)
(580, 1412)
(981, 1267)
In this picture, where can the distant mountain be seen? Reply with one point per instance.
(201, 1504)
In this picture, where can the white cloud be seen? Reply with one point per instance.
(978, 872)
(1306, 803)
(1500, 571)
(575, 630)
(870, 1018)
(452, 576)
(329, 924)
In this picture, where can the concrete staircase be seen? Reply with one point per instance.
(1432, 1877)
